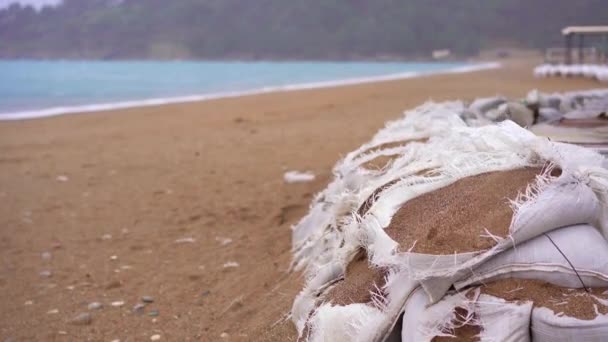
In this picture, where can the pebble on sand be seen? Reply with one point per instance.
(53, 312)
(84, 318)
(139, 308)
(147, 299)
(46, 255)
(153, 313)
(118, 303)
(231, 264)
(186, 240)
(114, 257)
(28, 302)
(223, 240)
(224, 335)
(62, 178)
(106, 237)
(46, 274)
(95, 306)
(155, 337)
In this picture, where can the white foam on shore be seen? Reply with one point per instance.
(54, 111)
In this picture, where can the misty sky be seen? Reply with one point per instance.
(35, 3)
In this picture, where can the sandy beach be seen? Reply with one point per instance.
(186, 203)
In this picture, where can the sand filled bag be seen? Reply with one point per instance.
(465, 316)
(559, 314)
(359, 173)
(553, 258)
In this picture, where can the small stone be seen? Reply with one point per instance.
(155, 337)
(115, 340)
(70, 287)
(62, 332)
(153, 313)
(46, 274)
(62, 178)
(147, 299)
(84, 318)
(206, 293)
(231, 264)
(46, 256)
(114, 257)
(224, 335)
(95, 306)
(52, 312)
(185, 240)
(223, 240)
(118, 303)
(106, 237)
(29, 302)
(139, 308)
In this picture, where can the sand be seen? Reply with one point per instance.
(454, 219)
(150, 176)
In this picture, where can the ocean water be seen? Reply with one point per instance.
(30, 89)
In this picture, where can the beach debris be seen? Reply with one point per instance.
(223, 240)
(52, 312)
(117, 303)
(298, 177)
(147, 299)
(185, 240)
(84, 318)
(46, 274)
(95, 306)
(62, 178)
(155, 337)
(46, 255)
(231, 264)
(139, 308)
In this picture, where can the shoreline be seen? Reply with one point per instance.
(111, 106)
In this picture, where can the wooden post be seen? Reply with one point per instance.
(568, 41)
(581, 46)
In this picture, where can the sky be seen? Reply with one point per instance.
(35, 3)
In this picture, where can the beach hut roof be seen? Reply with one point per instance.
(584, 29)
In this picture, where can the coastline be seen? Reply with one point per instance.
(81, 109)
(186, 203)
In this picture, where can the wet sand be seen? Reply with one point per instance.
(199, 173)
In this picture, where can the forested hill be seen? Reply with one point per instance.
(285, 29)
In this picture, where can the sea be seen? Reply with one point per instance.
(32, 89)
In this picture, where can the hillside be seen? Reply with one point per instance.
(278, 29)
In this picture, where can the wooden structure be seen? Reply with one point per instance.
(570, 34)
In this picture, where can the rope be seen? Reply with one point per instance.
(565, 257)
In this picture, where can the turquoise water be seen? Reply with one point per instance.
(40, 88)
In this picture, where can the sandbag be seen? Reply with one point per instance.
(547, 326)
(539, 259)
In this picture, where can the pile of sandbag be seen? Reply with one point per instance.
(575, 117)
(593, 71)
(449, 224)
